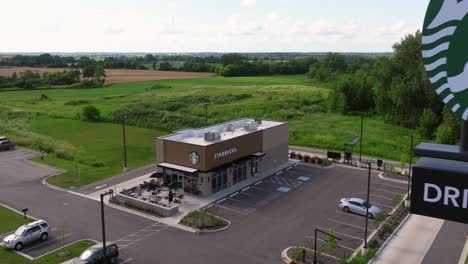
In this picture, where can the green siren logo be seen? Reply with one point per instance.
(194, 158)
(445, 52)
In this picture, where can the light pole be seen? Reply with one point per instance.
(124, 144)
(360, 139)
(410, 168)
(367, 208)
(315, 242)
(110, 192)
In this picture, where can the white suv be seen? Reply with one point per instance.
(25, 234)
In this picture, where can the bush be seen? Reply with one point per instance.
(326, 162)
(307, 158)
(292, 155)
(91, 113)
(296, 253)
(91, 83)
(299, 156)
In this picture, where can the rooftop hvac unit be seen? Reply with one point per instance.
(230, 127)
(212, 136)
(250, 126)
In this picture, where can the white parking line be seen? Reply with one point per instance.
(234, 194)
(342, 234)
(100, 186)
(245, 189)
(220, 201)
(139, 239)
(389, 207)
(390, 185)
(230, 209)
(346, 224)
(339, 245)
(209, 206)
(279, 172)
(257, 183)
(382, 190)
(42, 244)
(352, 215)
(380, 196)
(126, 261)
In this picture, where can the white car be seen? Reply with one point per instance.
(359, 206)
(26, 234)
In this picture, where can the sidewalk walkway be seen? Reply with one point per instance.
(411, 243)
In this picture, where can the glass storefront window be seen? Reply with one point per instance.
(219, 180)
(239, 172)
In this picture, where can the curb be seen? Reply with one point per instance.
(464, 254)
(16, 211)
(111, 177)
(45, 166)
(390, 179)
(154, 218)
(216, 230)
(284, 255)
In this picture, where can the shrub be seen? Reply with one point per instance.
(296, 253)
(373, 243)
(307, 158)
(292, 155)
(91, 83)
(299, 156)
(326, 162)
(396, 199)
(91, 113)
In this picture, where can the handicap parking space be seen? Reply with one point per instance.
(260, 194)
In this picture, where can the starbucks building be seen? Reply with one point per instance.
(207, 160)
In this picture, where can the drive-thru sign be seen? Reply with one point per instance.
(440, 189)
(440, 178)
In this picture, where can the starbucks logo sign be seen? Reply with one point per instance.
(194, 158)
(445, 52)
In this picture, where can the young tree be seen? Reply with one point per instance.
(91, 113)
(427, 124)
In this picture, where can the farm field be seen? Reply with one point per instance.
(156, 108)
(119, 76)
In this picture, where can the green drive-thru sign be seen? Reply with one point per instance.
(445, 52)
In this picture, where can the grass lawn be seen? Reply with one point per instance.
(104, 141)
(169, 105)
(11, 220)
(9, 256)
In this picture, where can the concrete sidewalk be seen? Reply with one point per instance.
(411, 243)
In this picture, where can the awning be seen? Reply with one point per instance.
(177, 167)
(258, 154)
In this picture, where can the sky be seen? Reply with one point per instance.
(207, 25)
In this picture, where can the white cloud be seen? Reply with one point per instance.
(248, 3)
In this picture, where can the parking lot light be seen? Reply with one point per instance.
(110, 192)
(367, 207)
(409, 172)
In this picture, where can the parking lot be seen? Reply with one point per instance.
(301, 186)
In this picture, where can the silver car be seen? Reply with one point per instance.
(26, 234)
(359, 206)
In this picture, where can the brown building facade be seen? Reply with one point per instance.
(206, 160)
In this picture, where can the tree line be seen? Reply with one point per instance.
(91, 76)
(395, 87)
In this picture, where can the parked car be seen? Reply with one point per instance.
(359, 206)
(6, 144)
(95, 254)
(26, 234)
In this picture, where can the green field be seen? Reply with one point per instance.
(164, 106)
(10, 220)
(104, 140)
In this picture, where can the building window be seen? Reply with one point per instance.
(219, 180)
(239, 172)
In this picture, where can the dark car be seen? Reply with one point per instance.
(95, 254)
(7, 144)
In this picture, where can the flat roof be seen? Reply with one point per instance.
(227, 130)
